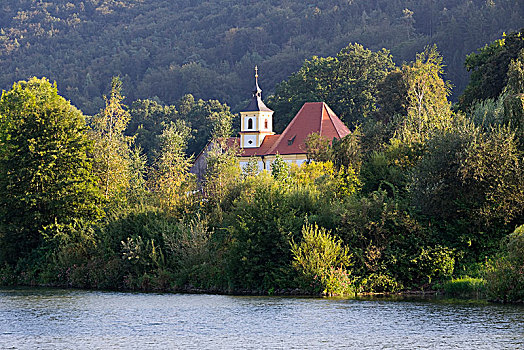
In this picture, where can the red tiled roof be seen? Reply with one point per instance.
(312, 117)
(266, 145)
(232, 142)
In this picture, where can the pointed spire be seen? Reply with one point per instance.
(258, 91)
(256, 103)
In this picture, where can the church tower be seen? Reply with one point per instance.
(256, 120)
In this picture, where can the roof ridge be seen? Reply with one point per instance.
(330, 115)
(321, 118)
(293, 121)
(335, 119)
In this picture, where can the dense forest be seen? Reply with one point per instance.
(426, 193)
(164, 50)
(421, 195)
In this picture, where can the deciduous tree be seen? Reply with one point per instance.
(112, 147)
(171, 179)
(347, 83)
(46, 182)
(427, 106)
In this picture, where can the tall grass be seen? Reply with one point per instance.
(464, 287)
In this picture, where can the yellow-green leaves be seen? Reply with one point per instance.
(45, 179)
(323, 259)
(112, 148)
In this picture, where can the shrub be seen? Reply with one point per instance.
(322, 260)
(7, 275)
(384, 238)
(505, 276)
(434, 263)
(259, 227)
(379, 283)
(191, 251)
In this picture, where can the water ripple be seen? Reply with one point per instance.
(65, 319)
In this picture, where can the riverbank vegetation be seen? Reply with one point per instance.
(421, 193)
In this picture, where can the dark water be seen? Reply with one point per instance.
(65, 319)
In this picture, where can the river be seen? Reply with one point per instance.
(72, 319)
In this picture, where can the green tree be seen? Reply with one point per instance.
(492, 165)
(469, 181)
(147, 120)
(46, 182)
(516, 74)
(413, 108)
(427, 105)
(280, 169)
(514, 95)
(347, 83)
(171, 179)
(137, 191)
(112, 147)
(489, 67)
(436, 186)
(318, 147)
(223, 169)
(392, 96)
(347, 151)
(208, 119)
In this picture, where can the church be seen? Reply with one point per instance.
(257, 139)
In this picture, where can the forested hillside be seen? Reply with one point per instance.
(421, 195)
(170, 48)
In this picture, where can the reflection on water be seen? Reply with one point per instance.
(65, 319)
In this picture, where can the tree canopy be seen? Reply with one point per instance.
(348, 83)
(419, 192)
(489, 67)
(46, 180)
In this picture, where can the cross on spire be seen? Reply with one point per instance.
(256, 103)
(258, 90)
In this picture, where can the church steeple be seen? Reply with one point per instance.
(256, 103)
(256, 119)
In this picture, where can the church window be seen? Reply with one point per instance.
(265, 124)
(250, 123)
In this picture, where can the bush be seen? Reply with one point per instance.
(322, 261)
(7, 276)
(505, 276)
(193, 253)
(434, 263)
(259, 228)
(379, 283)
(385, 238)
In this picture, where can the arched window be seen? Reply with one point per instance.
(250, 123)
(265, 124)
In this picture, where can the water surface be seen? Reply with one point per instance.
(69, 319)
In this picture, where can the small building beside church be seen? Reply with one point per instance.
(257, 139)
